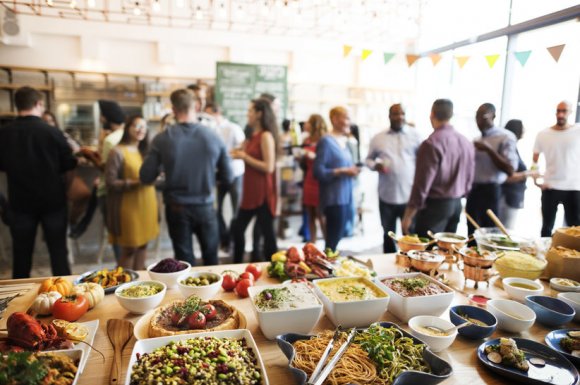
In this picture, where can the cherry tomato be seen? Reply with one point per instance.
(247, 275)
(242, 287)
(177, 319)
(196, 320)
(230, 279)
(255, 270)
(209, 311)
(70, 308)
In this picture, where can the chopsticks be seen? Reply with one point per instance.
(332, 363)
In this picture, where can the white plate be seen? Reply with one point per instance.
(92, 326)
(149, 345)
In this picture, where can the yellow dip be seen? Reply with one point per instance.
(345, 290)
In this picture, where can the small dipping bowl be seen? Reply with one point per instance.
(474, 331)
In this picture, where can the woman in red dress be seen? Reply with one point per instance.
(259, 190)
(316, 128)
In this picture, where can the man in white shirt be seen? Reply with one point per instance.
(392, 153)
(233, 137)
(560, 145)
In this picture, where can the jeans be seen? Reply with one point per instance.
(336, 218)
(389, 214)
(185, 220)
(438, 215)
(265, 224)
(550, 201)
(482, 196)
(23, 230)
(235, 191)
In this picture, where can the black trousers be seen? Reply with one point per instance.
(551, 199)
(264, 221)
(482, 196)
(438, 215)
(389, 214)
(23, 230)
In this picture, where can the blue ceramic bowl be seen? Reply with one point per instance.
(474, 331)
(550, 311)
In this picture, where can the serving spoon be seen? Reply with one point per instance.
(450, 330)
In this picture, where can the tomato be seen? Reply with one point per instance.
(177, 319)
(196, 320)
(209, 311)
(70, 308)
(255, 270)
(247, 275)
(242, 287)
(230, 279)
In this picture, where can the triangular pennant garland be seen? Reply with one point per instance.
(366, 53)
(556, 51)
(412, 59)
(435, 58)
(388, 56)
(491, 59)
(461, 60)
(523, 56)
(346, 50)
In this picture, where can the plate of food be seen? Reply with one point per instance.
(526, 361)
(566, 342)
(187, 316)
(369, 358)
(226, 356)
(109, 279)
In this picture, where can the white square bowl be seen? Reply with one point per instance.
(76, 354)
(406, 308)
(299, 320)
(353, 313)
(149, 345)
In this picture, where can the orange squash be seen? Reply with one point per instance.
(60, 285)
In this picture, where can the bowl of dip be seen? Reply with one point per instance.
(141, 296)
(352, 301)
(564, 284)
(520, 288)
(285, 308)
(203, 284)
(430, 330)
(483, 323)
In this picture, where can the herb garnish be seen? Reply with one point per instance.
(21, 368)
(411, 284)
(269, 299)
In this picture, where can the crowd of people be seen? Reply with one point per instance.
(199, 154)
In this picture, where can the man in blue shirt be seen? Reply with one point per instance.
(191, 156)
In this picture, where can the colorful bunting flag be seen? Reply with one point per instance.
(388, 56)
(412, 59)
(366, 53)
(491, 59)
(556, 51)
(435, 58)
(522, 56)
(346, 50)
(461, 60)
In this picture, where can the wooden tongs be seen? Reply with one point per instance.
(320, 374)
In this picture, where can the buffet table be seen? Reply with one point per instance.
(461, 355)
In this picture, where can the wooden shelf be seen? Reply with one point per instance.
(13, 86)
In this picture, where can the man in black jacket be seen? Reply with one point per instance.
(38, 163)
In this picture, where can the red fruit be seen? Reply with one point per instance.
(209, 311)
(196, 320)
(247, 275)
(255, 270)
(242, 287)
(230, 279)
(70, 308)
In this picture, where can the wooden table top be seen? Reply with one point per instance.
(461, 354)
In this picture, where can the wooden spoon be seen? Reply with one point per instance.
(497, 222)
(119, 332)
(471, 220)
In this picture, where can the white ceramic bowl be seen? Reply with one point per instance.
(406, 308)
(140, 305)
(299, 320)
(572, 299)
(353, 313)
(435, 343)
(206, 292)
(520, 293)
(556, 286)
(511, 316)
(169, 279)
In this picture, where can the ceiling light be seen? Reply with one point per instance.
(156, 6)
(180, 3)
(91, 3)
(73, 4)
(198, 13)
(137, 11)
(50, 3)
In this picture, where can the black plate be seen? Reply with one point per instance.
(440, 368)
(134, 276)
(558, 370)
(553, 340)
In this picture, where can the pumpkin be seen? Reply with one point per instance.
(43, 303)
(61, 285)
(93, 292)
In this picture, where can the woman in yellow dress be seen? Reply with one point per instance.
(131, 206)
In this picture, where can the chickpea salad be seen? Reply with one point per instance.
(199, 361)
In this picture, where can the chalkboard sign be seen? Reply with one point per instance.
(237, 84)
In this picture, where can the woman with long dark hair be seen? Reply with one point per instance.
(259, 189)
(131, 206)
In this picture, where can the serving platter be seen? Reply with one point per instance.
(134, 276)
(439, 367)
(553, 340)
(557, 370)
(92, 327)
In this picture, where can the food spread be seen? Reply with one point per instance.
(108, 278)
(413, 287)
(566, 282)
(169, 265)
(291, 296)
(507, 353)
(141, 290)
(36, 369)
(571, 343)
(349, 289)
